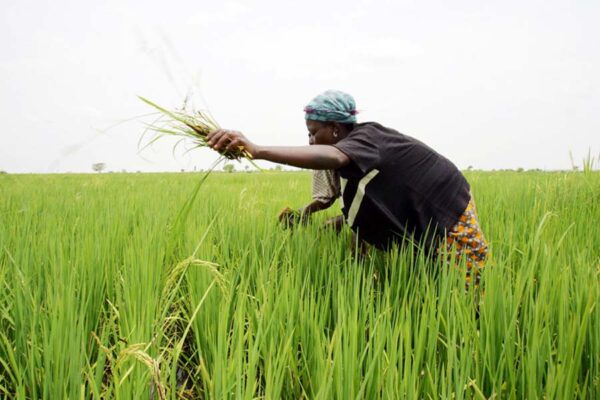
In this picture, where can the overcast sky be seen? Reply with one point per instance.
(492, 84)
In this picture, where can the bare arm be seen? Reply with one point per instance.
(291, 217)
(311, 157)
(316, 206)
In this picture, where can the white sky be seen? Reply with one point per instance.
(492, 84)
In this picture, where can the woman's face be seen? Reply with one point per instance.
(320, 132)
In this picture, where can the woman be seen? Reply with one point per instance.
(394, 187)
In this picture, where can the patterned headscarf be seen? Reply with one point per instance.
(332, 106)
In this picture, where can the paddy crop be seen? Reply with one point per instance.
(107, 294)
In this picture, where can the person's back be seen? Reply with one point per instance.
(397, 188)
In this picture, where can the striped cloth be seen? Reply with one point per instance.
(325, 185)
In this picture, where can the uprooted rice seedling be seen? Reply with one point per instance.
(187, 125)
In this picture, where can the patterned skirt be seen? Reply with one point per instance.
(465, 242)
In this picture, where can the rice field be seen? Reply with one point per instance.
(118, 286)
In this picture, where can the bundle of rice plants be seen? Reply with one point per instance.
(191, 126)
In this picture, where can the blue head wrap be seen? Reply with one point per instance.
(332, 106)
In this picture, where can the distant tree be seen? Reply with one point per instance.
(3, 172)
(520, 169)
(98, 167)
(470, 168)
(228, 168)
(278, 168)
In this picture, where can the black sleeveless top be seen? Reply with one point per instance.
(397, 188)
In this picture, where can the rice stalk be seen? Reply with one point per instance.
(138, 352)
(191, 125)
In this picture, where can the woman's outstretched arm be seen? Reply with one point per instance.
(311, 157)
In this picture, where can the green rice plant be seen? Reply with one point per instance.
(187, 125)
(104, 295)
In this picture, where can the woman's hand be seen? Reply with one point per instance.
(233, 142)
(289, 217)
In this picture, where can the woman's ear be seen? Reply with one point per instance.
(336, 129)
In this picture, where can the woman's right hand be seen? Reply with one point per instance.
(234, 142)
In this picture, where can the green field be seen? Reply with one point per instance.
(106, 293)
